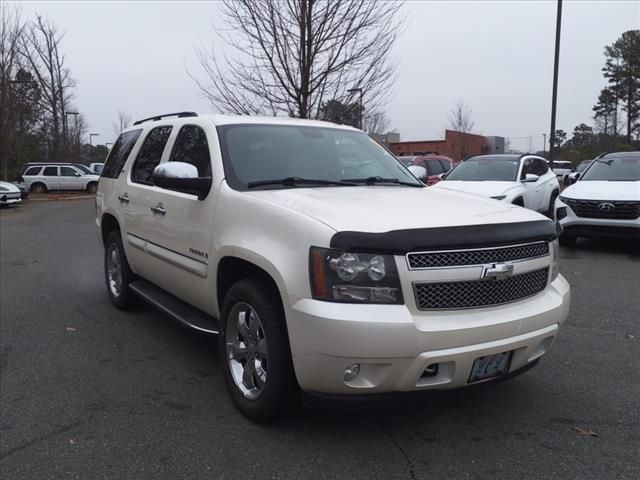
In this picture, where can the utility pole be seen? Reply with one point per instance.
(544, 144)
(554, 95)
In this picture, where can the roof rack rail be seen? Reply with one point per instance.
(160, 117)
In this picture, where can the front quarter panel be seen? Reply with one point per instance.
(273, 237)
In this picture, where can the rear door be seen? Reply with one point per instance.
(138, 191)
(50, 178)
(70, 179)
(181, 227)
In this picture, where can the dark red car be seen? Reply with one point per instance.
(434, 164)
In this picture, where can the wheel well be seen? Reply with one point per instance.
(233, 269)
(518, 201)
(108, 224)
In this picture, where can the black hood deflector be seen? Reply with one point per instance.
(400, 242)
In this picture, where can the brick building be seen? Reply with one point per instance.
(455, 145)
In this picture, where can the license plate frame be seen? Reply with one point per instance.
(491, 366)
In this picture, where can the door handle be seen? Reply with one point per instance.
(123, 198)
(158, 209)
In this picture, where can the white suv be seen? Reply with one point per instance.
(605, 200)
(323, 264)
(523, 180)
(43, 178)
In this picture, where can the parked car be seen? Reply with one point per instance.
(96, 168)
(523, 180)
(561, 167)
(83, 169)
(9, 193)
(573, 177)
(434, 167)
(333, 283)
(605, 201)
(55, 177)
(407, 160)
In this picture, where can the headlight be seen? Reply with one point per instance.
(555, 259)
(4, 189)
(499, 197)
(339, 276)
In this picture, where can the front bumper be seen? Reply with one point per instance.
(8, 198)
(596, 227)
(394, 345)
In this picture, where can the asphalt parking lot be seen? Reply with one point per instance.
(87, 391)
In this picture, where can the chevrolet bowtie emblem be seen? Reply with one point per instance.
(497, 271)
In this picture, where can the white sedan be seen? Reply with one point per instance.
(604, 202)
(524, 180)
(9, 193)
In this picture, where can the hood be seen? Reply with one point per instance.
(10, 187)
(603, 190)
(386, 208)
(486, 189)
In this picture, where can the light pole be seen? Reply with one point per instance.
(544, 144)
(354, 90)
(91, 135)
(554, 96)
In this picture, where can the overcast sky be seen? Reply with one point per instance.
(495, 56)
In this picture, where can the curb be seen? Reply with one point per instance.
(64, 199)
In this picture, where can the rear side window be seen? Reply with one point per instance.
(150, 154)
(119, 153)
(32, 171)
(436, 167)
(68, 172)
(191, 147)
(446, 165)
(540, 166)
(50, 171)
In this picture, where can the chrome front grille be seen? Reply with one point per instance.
(479, 293)
(421, 260)
(616, 210)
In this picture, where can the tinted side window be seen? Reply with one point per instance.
(119, 153)
(436, 167)
(191, 147)
(67, 172)
(527, 167)
(50, 171)
(33, 171)
(541, 167)
(446, 165)
(150, 154)
(424, 164)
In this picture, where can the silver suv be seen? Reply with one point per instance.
(44, 178)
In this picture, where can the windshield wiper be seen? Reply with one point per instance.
(293, 181)
(375, 180)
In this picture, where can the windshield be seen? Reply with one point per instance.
(83, 169)
(616, 169)
(260, 153)
(489, 168)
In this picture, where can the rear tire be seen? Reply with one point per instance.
(38, 188)
(118, 274)
(551, 212)
(254, 351)
(92, 187)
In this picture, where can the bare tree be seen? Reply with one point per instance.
(11, 31)
(292, 55)
(40, 47)
(124, 120)
(78, 129)
(460, 120)
(376, 122)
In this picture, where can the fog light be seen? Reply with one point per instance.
(561, 213)
(352, 372)
(430, 371)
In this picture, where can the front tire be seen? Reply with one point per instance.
(118, 274)
(551, 212)
(254, 351)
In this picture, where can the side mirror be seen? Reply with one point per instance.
(442, 176)
(419, 172)
(181, 177)
(530, 178)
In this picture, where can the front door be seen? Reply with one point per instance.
(531, 189)
(70, 179)
(181, 226)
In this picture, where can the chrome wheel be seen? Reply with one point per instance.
(247, 350)
(114, 270)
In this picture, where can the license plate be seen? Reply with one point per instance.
(491, 366)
